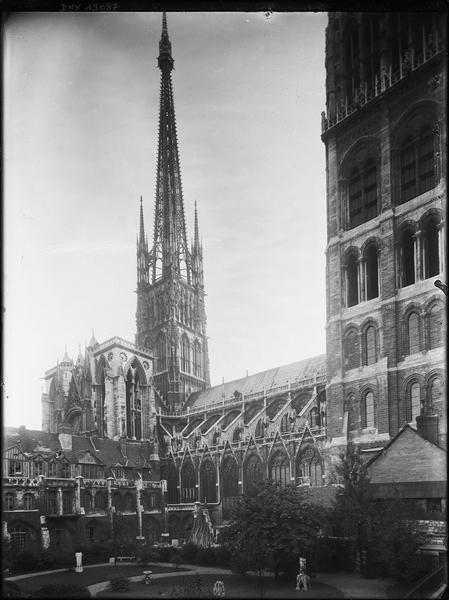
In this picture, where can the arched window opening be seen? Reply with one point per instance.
(171, 474)
(435, 330)
(237, 435)
(413, 402)
(67, 502)
(362, 194)
(309, 468)
(28, 502)
(280, 469)
(252, 471)
(117, 501)
(284, 423)
(100, 500)
(188, 482)
(352, 406)
(129, 502)
(259, 429)
(314, 417)
(21, 537)
(197, 370)
(431, 250)
(208, 480)
(435, 398)
(185, 354)
(372, 274)
(86, 501)
(133, 402)
(417, 164)
(407, 258)
(368, 410)
(161, 353)
(414, 345)
(352, 78)
(370, 357)
(352, 357)
(230, 485)
(352, 281)
(10, 501)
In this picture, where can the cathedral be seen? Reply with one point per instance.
(135, 429)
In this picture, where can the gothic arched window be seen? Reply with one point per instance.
(252, 471)
(188, 482)
(352, 408)
(280, 468)
(417, 164)
(185, 354)
(413, 337)
(230, 485)
(372, 272)
(362, 193)
(431, 247)
(435, 398)
(309, 467)
(284, 423)
(28, 502)
(413, 401)
(197, 370)
(259, 429)
(351, 350)
(435, 326)
(100, 500)
(208, 480)
(133, 402)
(352, 280)
(161, 352)
(368, 416)
(370, 351)
(170, 473)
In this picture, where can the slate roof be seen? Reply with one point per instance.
(265, 379)
(31, 441)
(109, 452)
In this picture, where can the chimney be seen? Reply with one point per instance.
(427, 426)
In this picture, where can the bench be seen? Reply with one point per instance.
(125, 558)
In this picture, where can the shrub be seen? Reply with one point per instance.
(165, 553)
(189, 552)
(148, 554)
(222, 556)
(119, 583)
(61, 590)
(239, 563)
(206, 557)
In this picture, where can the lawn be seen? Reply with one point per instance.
(87, 577)
(236, 586)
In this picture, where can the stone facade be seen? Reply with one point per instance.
(385, 134)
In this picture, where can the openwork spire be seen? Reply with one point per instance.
(170, 251)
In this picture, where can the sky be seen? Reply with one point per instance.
(81, 100)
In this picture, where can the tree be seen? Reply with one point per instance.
(271, 527)
(385, 539)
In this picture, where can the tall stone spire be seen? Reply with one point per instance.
(171, 318)
(170, 252)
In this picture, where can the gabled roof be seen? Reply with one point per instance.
(393, 440)
(264, 379)
(407, 458)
